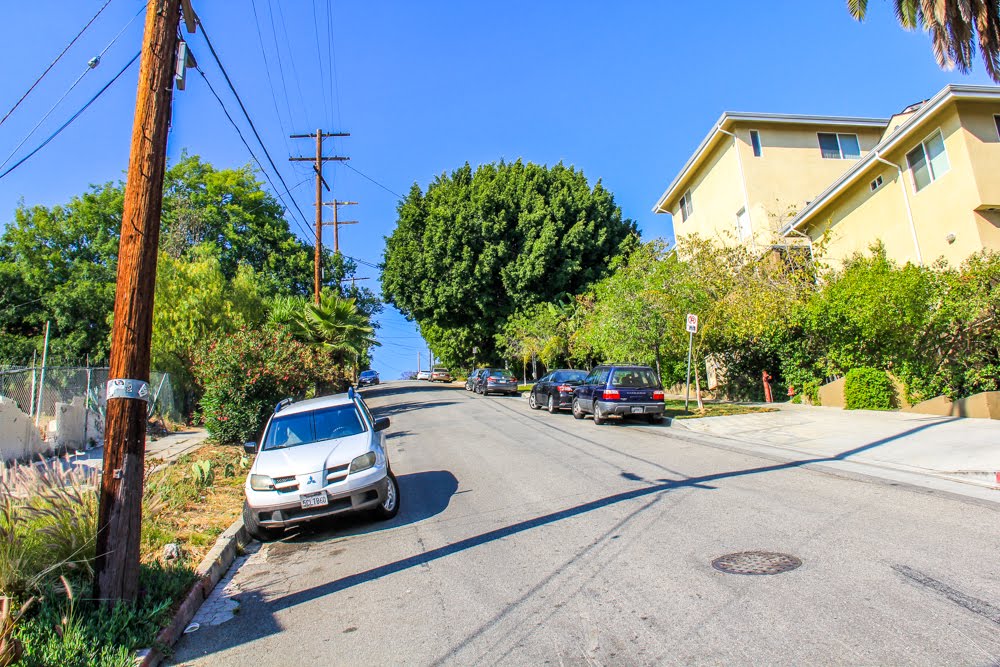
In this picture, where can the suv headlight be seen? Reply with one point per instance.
(363, 462)
(261, 483)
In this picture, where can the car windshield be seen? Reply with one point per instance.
(339, 421)
(368, 374)
(638, 378)
(569, 376)
(440, 370)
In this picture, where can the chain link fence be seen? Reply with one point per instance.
(46, 395)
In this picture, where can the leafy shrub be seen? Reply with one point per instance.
(811, 391)
(246, 373)
(868, 389)
(203, 473)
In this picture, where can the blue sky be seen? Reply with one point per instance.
(623, 91)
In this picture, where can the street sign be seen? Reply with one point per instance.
(692, 323)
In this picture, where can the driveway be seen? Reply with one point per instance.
(526, 538)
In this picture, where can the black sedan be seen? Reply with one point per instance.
(555, 390)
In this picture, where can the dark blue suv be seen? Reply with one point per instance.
(622, 390)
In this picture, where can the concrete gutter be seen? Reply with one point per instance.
(209, 572)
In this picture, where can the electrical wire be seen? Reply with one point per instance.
(71, 118)
(246, 115)
(270, 81)
(91, 65)
(295, 72)
(361, 173)
(236, 127)
(332, 58)
(53, 63)
(319, 57)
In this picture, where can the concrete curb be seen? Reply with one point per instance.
(209, 572)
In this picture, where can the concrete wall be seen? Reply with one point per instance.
(790, 170)
(957, 203)
(716, 196)
(983, 406)
(74, 427)
(831, 395)
(19, 439)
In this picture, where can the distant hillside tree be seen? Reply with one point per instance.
(482, 244)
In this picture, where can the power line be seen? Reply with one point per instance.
(359, 172)
(91, 64)
(246, 115)
(270, 82)
(332, 58)
(281, 69)
(295, 72)
(319, 58)
(254, 155)
(71, 118)
(53, 63)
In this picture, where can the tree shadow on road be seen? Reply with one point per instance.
(258, 621)
(400, 408)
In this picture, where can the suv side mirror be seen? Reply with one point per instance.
(250, 447)
(382, 423)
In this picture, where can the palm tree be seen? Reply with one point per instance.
(336, 325)
(955, 27)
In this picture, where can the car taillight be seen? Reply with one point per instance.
(611, 395)
(565, 388)
(658, 395)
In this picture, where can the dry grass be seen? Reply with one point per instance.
(195, 513)
(675, 409)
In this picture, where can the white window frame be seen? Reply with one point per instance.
(756, 146)
(840, 147)
(876, 183)
(685, 206)
(996, 121)
(927, 160)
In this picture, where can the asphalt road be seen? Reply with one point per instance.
(526, 538)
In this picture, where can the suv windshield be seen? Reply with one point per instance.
(339, 421)
(639, 378)
(368, 374)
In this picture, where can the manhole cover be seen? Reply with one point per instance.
(756, 562)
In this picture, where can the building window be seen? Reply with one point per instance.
(928, 161)
(755, 141)
(685, 206)
(876, 184)
(743, 224)
(996, 119)
(839, 146)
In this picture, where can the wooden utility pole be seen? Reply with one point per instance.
(320, 184)
(337, 223)
(116, 569)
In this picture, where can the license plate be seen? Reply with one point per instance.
(637, 410)
(314, 500)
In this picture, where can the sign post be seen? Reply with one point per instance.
(692, 329)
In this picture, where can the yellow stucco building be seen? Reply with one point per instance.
(926, 182)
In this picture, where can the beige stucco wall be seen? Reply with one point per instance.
(857, 218)
(716, 196)
(790, 171)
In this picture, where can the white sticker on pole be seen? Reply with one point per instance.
(692, 323)
(128, 389)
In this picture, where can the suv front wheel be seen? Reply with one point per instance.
(389, 507)
(257, 531)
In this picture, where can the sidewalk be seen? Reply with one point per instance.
(167, 448)
(955, 448)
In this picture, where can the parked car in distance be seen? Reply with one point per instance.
(470, 382)
(423, 375)
(496, 381)
(440, 374)
(318, 457)
(622, 390)
(368, 378)
(555, 390)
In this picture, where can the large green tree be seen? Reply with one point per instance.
(59, 263)
(956, 27)
(480, 245)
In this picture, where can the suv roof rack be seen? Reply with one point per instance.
(282, 403)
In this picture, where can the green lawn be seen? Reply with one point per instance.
(675, 409)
